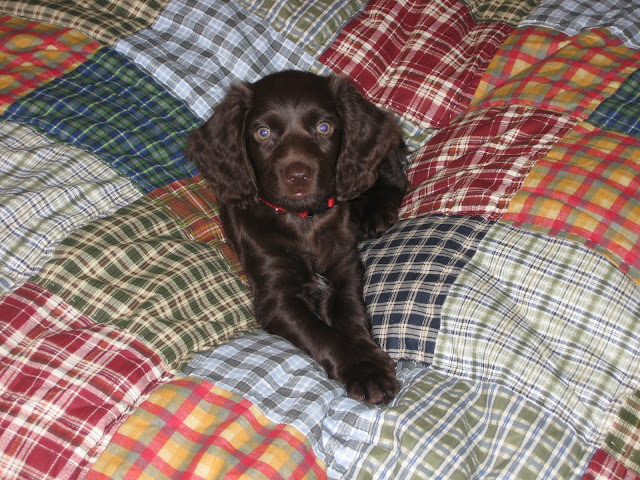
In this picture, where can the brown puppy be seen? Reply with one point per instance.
(303, 166)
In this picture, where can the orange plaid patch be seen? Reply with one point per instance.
(587, 188)
(544, 68)
(32, 53)
(205, 432)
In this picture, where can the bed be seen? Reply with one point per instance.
(508, 292)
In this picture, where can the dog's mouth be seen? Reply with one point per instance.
(303, 201)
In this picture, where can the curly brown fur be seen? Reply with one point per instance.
(294, 140)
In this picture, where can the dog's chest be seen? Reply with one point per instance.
(323, 244)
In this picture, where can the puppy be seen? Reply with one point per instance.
(303, 166)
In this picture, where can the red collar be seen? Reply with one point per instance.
(304, 214)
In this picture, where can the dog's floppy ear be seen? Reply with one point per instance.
(218, 149)
(369, 133)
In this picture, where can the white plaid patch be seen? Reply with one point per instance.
(622, 17)
(48, 190)
(549, 319)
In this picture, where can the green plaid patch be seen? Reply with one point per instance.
(549, 319)
(621, 111)
(109, 107)
(465, 430)
(90, 16)
(311, 24)
(47, 190)
(136, 270)
(622, 441)
(506, 11)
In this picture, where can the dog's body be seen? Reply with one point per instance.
(303, 166)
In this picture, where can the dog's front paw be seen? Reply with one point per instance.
(376, 212)
(371, 377)
(378, 220)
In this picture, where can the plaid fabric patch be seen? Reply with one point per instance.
(545, 68)
(408, 273)
(103, 22)
(110, 108)
(135, 270)
(190, 428)
(421, 59)
(47, 191)
(65, 385)
(291, 389)
(507, 11)
(194, 207)
(573, 16)
(622, 440)
(563, 329)
(313, 24)
(604, 467)
(33, 53)
(587, 189)
(435, 426)
(477, 164)
(621, 111)
(444, 428)
(197, 49)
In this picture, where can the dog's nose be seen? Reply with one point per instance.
(298, 175)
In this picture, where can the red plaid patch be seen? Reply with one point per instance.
(587, 188)
(194, 206)
(604, 467)
(66, 383)
(421, 58)
(475, 166)
(32, 53)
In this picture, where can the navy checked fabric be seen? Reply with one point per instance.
(198, 49)
(109, 107)
(621, 111)
(409, 272)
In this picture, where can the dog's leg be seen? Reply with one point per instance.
(366, 370)
(342, 344)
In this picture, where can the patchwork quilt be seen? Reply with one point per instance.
(508, 293)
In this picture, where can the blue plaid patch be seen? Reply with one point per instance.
(408, 273)
(198, 50)
(290, 388)
(621, 111)
(109, 107)
(575, 16)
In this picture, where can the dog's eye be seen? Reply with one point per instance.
(262, 134)
(324, 128)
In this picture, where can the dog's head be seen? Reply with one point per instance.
(295, 139)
